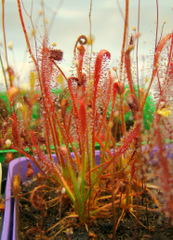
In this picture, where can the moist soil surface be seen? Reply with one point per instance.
(35, 223)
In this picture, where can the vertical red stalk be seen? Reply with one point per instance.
(113, 101)
(124, 36)
(122, 115)
(137, 48)
(83, 121)
(25, 33)
(5, 44)
(157, 22)
(122, 58)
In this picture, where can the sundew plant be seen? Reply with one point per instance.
(93, 111)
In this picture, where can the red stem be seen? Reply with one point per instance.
(124, 36)
(26, 35)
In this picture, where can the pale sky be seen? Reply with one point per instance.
(72, 20)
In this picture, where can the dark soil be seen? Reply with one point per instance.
(34, 224)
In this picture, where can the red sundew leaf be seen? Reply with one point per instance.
(15, 131)
(166, 177)
(98, 65)
(133, 169)
(81, 50)
(169, 71)
(69, 81)
(170, 74)
(41, 160)
(48, 167)
(155, 65)
(76, 112)
(158, 51)
(82, 115)
(128, 138)
(97, 72)
(128, 70)
(107, 101)
(114, 98)
(46, 74)
(124, 146)
(46, 78)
